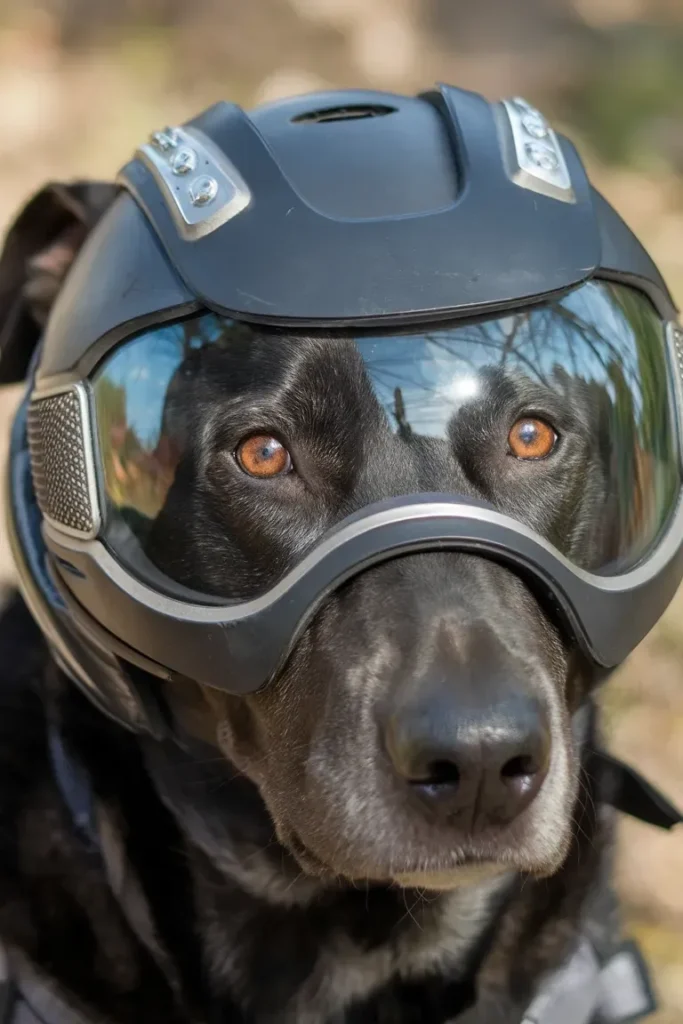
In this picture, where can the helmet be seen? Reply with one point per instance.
(449, 257)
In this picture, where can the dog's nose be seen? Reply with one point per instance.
(474, 763)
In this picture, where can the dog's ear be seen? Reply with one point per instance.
(40, 246)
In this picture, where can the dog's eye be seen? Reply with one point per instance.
(531, 438)
(263, 456)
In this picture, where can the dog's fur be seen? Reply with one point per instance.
(270, 866)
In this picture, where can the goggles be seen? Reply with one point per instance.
(546, 438)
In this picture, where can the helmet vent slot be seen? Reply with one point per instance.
(357, 112)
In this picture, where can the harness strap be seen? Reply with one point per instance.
(25, 998)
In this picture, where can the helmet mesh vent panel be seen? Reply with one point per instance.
(59, 462)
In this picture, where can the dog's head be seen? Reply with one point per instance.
(421, 730)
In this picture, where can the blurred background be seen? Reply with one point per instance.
(82, 82)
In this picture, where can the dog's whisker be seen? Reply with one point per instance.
(293, 882)
(409, 912)
(260, 851)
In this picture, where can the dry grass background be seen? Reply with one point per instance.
(74, 107)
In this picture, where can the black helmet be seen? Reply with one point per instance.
(458, 250)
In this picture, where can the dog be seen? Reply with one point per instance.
(312, 852)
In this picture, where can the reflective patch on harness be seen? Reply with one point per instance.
(32, 999)
(585, 992)
(625, 989)
(571, 994)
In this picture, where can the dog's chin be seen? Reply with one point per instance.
(466, 874)
(434, 877)
(475, 871)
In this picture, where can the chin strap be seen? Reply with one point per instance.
(75, 788)
(625, 789)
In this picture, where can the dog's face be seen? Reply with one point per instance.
(421, 729)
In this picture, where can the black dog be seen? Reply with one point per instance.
(331, 863)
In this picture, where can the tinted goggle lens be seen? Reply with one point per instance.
(562, 416)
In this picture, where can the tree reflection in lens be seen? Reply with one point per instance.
(599, 352)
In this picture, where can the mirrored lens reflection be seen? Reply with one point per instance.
(601, 349)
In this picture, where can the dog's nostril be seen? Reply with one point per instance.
(439, 773)
(519, 767)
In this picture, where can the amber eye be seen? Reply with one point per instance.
(531, 439)
(263, 456)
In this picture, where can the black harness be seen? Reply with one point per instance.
(584, 990)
